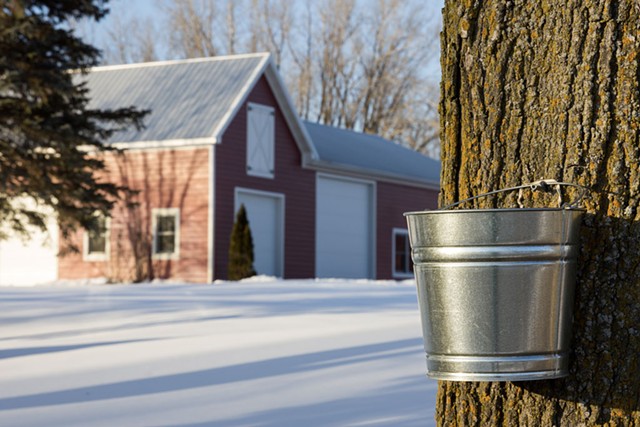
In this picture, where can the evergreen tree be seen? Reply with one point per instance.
(240, 248)
(50, 140)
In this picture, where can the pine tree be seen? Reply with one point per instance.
(240, 248)
(50, 139)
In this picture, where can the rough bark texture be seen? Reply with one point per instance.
(549, 89)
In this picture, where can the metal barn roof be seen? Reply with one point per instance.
(188, 99)
(341, 148)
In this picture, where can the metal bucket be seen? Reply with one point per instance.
(495, 290)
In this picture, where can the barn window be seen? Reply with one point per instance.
(402, 265)
(166, 233)
(96, 240)
(260, 141)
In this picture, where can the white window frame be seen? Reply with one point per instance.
(394, 271)
(97, 256)
(155, 213)
(266, 146)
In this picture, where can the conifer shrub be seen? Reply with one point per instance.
(240, 248)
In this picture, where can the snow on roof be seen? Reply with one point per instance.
(359, 151)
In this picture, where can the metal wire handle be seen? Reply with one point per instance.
(541, 185)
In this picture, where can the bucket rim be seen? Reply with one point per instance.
(460, 211)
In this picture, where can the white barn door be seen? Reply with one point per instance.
(345, 233)
(265, 212)
(30, 262)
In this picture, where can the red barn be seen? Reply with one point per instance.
(321, 201)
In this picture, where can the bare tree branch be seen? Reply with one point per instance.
(362, 67)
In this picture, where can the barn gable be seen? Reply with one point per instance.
(280, 201)
(192, 102)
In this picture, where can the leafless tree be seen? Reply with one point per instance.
(301, 73)
(419, 127)
(231, 27)
(358, 65)
(390, 61)
(395, 98)
(146, 33)
(192, 27)
(130, 39)
(336, 68)
(270, 27)
(370, 71)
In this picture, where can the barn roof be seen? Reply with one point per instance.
(344, 149)
(188, 99)
(193, 101)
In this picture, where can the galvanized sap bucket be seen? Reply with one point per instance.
(495, 289)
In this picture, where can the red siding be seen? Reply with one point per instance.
(165, 179)
(393, 200)
(297, 185)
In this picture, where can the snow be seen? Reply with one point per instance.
(261, 352)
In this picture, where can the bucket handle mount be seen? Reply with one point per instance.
(541, 185)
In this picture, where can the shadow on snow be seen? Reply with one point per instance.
(218, 376)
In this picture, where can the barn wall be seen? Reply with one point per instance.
(393, 201)
(297, 185)
(32, 261)
(167, 178)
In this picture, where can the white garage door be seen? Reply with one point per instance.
(344, 228)
(265, 212)
(32, 262)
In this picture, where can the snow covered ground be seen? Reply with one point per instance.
(262, 353)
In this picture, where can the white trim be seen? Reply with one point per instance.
(226, 120)
(177, 61)
(280, 197)
(97, 256)
(291, 116)
(394, 273)
(373, 203)
(167, 143)
(175, 212)
(211, 216)
(54, 235)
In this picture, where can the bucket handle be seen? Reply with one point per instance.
(541, 185)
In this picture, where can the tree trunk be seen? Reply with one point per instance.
(549, 89)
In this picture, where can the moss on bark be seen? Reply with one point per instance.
(550, 89)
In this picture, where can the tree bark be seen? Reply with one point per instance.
(550, 89)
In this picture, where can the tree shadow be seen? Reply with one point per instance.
(401, 404)
(217, 376)
(30, 351)
(199, 304)
(124, 327)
